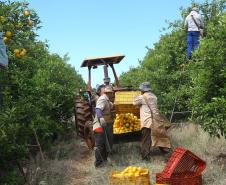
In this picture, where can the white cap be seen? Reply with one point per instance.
(195, 9)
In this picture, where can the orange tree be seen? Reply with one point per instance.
(36, 90)
(199, 86)
(208, 76)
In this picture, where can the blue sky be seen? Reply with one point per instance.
(85, 28)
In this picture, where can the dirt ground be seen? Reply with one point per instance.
(71, 162)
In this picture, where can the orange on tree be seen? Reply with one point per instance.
(8, 34)
(26, 13)
(5, 39)
(23, 52)
(17, 55)
(2, 19)
(20, 52)
(30, 23)
(16, 51)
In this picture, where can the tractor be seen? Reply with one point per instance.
(85, 100)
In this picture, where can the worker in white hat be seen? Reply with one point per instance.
(195, 24)
(103, 126)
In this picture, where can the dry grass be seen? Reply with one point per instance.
(70, 163)
(208, 148)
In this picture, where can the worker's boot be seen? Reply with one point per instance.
(164, 150)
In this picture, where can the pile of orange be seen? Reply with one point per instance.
(132, 171)
(125, 123)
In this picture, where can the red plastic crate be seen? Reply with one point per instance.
(179, 180)
(183, 162)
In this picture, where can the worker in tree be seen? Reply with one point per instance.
(154, 125)
(3, 55)
(103, 126)
(194, 23)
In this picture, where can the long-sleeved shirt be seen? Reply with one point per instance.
(103, 109)
(145, 112)
(190, 22)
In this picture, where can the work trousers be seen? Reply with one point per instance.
(100, 148)
(146, 143)
(109, 134)
(192, 42)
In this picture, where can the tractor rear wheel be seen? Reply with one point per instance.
(89, 135)
(82, 115)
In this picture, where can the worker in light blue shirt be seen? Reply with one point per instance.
(3, 55)
(194, 23)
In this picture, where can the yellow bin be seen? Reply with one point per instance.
(124, 102)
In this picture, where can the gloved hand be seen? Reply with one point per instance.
(102, 122)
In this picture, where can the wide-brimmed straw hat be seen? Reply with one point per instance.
(108, 89)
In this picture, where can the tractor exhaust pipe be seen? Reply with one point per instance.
(106, 77)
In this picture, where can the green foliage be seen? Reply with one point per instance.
(198, 86)
(208, 78)
(37, 91)
(127, 79)
(161, 67)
